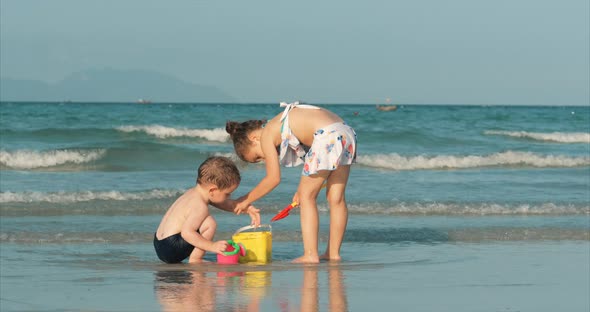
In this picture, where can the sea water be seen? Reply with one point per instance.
(440, 195)
(133, 159)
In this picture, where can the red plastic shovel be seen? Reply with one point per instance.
(285, 212)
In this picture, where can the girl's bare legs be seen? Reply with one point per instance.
(207, 230)
(309, 188)
(338, 211)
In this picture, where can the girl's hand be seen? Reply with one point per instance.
(219, 247)
(254, 215)
(241, 207)
(295, 198)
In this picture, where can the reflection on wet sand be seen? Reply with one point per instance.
(186, 290)
(211, 289)
(310, 290)
(256, 286)
(338, 301)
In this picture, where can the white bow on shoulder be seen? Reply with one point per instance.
(290, 106)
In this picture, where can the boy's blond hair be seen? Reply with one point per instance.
(219, 171)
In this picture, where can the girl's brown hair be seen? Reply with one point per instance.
(238, 131)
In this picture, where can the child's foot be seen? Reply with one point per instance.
(327, 256)
(306, 259)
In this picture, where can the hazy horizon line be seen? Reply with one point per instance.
(274, 103)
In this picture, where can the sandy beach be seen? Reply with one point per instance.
(411, 274)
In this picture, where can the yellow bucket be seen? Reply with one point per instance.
(258, 243)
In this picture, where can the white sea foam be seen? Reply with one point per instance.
(363, 235)
(216, 135)
(508, 158)
(85, 196)
(435, 208)
(234, 157)
(27, 159)
(561, 137)
(231, 156)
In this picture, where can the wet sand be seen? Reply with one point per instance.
(491, 276)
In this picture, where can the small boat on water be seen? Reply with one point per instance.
(143, 101)
(386, 108)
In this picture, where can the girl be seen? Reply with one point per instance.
(324, 144)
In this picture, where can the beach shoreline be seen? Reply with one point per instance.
(495, 276)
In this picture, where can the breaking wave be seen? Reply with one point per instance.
(509, 158)
(162, 132)
(85, 196)
(27, 159)
(561, 137)
(482, 209)
(156, 201)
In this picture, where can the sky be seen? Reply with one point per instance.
(522, 52)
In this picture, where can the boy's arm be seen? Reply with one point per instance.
(192, 224)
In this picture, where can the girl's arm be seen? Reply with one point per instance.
(269, 182)
(227, 205)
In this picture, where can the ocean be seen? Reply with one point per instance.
(439, 196)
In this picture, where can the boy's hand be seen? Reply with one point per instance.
(254, 215)
(219, 247)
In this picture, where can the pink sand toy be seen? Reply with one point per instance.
(232, 254)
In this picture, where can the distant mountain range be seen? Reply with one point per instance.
(109, 85)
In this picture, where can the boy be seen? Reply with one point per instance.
(187, 229)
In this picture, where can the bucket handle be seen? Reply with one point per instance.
(249, 227)
(233, 252)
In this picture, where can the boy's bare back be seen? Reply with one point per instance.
(190, 203)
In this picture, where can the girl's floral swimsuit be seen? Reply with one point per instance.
(332, 145)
